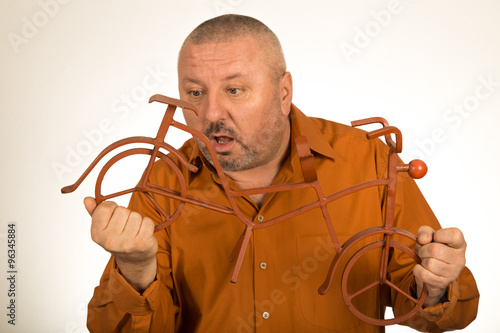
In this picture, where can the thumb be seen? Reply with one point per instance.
(90, 205)
(425, 235)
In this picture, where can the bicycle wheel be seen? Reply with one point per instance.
(145, 187)
(348, 297)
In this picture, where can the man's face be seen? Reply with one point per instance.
(240, 106)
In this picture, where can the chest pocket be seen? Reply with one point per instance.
(329, 311)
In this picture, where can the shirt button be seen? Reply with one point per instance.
(263, 265)
(260, 218)
(265, 315)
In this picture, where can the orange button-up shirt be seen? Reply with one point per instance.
(277, 287)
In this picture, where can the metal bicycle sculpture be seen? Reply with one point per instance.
(415, 169)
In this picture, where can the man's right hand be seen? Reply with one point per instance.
(129, 237)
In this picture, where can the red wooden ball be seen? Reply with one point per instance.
(417, 169)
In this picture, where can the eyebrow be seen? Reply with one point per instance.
(191, 80)
(234, 76)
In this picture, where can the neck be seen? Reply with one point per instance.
(264, 175)
(254, 178)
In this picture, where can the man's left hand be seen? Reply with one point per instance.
(443, 257)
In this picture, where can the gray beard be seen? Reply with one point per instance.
(234, 164)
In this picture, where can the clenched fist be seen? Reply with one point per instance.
(443, 258)
(129, 237)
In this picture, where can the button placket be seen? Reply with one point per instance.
(261, 239)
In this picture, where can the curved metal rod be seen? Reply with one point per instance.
(387, 131)
(368, 121)
(308, 171)
(323, 289)
(123, 142)
(349, 297)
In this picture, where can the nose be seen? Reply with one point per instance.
(214, 108)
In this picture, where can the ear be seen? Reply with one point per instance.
(286, 91)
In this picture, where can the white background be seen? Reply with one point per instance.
(67, 71)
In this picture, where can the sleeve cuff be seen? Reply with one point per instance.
(440, 312)
(127, 299)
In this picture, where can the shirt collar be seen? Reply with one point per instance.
(303, 125)
(196, 157)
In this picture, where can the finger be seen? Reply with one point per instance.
(435, 266)
(147, 228)
(133, 224)
(417, 272)
(126, 240)
(101, 215)
(433, 281)
(452, 237)
(145, 242)
(425, 235)
(90, 205)
(437, 251)
(117, 221)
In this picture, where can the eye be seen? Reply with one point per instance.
(195, 93)
(233, 91)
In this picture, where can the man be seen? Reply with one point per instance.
(233, 70)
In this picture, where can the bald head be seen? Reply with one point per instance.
(231, 27)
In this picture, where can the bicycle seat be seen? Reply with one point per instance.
(173, 101)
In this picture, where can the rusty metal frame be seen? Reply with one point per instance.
(416, 169)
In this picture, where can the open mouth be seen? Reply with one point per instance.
(222, 140)
(222, 143)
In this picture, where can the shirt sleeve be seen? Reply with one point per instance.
(460, 309)
(117, 307)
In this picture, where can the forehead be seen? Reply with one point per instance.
(219, 58)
